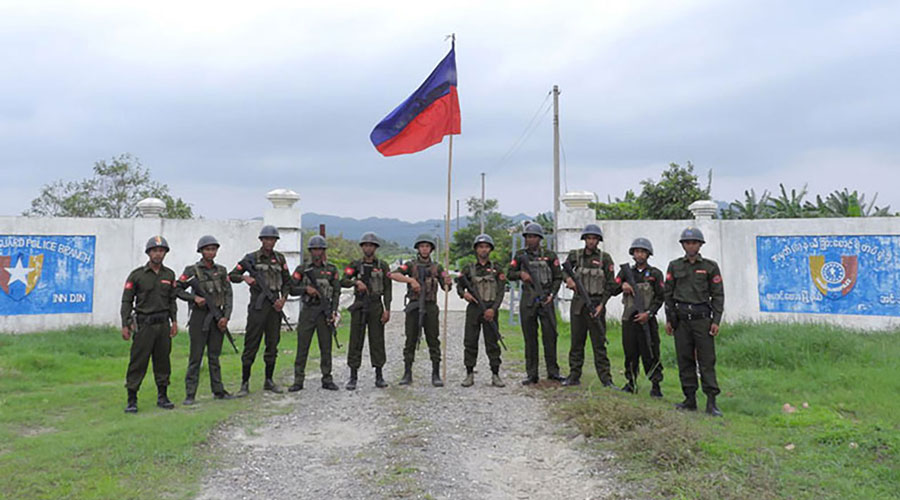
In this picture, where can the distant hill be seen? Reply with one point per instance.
(396, 230)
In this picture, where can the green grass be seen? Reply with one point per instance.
(845, 445)
(63, 433)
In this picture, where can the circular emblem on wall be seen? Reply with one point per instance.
(833, 273)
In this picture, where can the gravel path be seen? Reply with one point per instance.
(408, 442)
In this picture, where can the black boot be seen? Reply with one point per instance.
(351, 384)
(269, 385)
(224, 395)
(188, 399)
(162, 399)
(530, 380)
(711, 407)
(131, 407)
(628, 387)
(407, 374)
(297, 386)
(328, 384)
(656, 392)
(436, 374)
(245, 389)
(689, 403)
(556, 377)
(610, 385)
(572, 380)
(379, 379)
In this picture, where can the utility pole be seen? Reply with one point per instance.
(555, 167)
(457, 216)
(482, 203)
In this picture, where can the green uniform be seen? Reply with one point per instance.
(313, 315)
(151, 295)
(695, 299)
(204, 333)
(262, 318)
(490, 282)
(435, 275)
(596, 272)
(650, 285)
(367, 309)
(545, 269)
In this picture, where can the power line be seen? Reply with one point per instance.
(536, 119)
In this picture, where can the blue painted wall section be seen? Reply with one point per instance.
(46, 274)
(829, 274)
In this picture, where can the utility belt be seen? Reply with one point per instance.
(693, 311)
(153, 319)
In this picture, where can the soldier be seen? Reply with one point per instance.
(490, 283)
(435, 277)
(370, 277)
(535, 307)
(263, 315)
(320, 291)
(651, 287)
(695, 300)
(596, 271)
(210, 280)
(153, 325)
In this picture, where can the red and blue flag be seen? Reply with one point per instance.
(425, 117)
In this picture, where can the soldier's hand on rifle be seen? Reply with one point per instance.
(200, 301)
(627, 289)
(526, 277)
(126, 333)
(222, 324)
(279, 304)
(311, 291)
(335, 318)
(713, 329)
(469, 297)
(385, 316)
(414, 283)
(598, 310)
(570, 283)
(669, 329)
(249, 280)
(547, 300)
(642, 318)
(361, 287)
(489, 315)
(173, 331)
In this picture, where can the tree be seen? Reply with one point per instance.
(113, 192)
(628, 208)
(789, 207)
(751, 208)
(495, 224)
(669, 198)
(847, 204)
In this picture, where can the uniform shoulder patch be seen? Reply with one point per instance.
(669, 277)
(297, 275)
(183, 277)
(501, 276)
(129, 285)
(239, 267)
(349, 271)
(618, 280)
(555, 262)
(404, 267)
(717, 278)
(512, 263)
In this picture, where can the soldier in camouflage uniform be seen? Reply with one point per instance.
(435, 277)
(263, 316)
(212, 280)
(319, 313)
(545, 264)
(695, 301)
(370, 277)
(651, 287)
(150, 294)
(596, 271)
(490, 283)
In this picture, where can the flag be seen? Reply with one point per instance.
(425, 117)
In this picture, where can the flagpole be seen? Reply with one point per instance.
(447, 260)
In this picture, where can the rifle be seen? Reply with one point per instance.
(639, 307)
(540, 294)
(362, 299)
(249, 264)
(494, 327)
(328, 310)
(585, 296)
(419, 304)
(215, 314)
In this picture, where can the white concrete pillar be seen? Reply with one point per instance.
(151, 207)
(703, 209)
(285, 216)
(575, 213)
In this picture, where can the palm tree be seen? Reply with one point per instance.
(751, 208)
(790, 207)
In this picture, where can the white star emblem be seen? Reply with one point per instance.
(19, 273)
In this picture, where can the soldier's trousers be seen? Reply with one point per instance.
(312, 320)
(149, 341)
(211, 342)
(475, 324)
(694, 334)
(581, 325)
(634, 343)
(432, 329)
(360, 322)
(263, 322)
(529, 317)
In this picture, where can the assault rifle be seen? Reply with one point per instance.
(540, 294)
(215, 313)
(419, 305)
(328, 310)
(640, 307)
(494, 327)
(248, 263)
(362, 298)
(585, 296)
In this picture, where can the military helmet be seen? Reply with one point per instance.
(206, 241)
(269, 232)
(592, 230)
(484, 238)
(425, 238)
(692, 234)
(317, 242)
(533, 228)
(369, 237)
(156, 242)
(642, 243)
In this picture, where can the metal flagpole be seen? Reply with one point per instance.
(446, 263)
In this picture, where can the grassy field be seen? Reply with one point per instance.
(63, 433)
(845, 444)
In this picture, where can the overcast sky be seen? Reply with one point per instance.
(225, 101)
